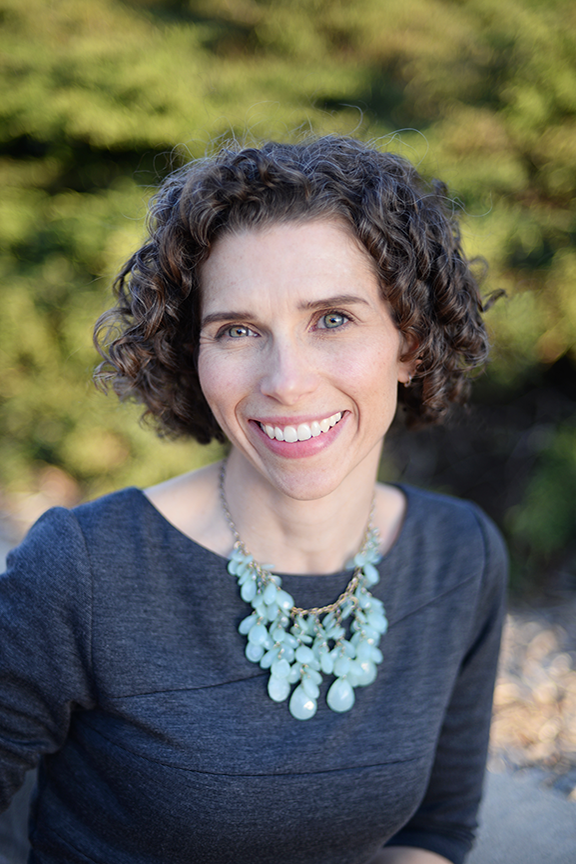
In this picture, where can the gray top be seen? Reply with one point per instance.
(121, 665)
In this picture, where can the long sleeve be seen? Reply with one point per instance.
(121, 664)
(45, 609)
(446, 819)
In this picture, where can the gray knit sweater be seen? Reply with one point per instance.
(121, 666)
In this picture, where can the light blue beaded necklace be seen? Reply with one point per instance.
(298, 645)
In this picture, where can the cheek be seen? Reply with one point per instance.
(371, 369)
(212, 380)
(222, 383)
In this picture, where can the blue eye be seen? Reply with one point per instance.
(333, 320)
(238, 331)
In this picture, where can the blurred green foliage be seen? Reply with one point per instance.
(100, 98)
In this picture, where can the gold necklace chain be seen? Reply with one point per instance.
(265, 574)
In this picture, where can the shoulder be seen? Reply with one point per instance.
(61, 540)
(455, 541)
(453, 520)
(112, 513)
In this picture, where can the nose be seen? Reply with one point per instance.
(289, 375)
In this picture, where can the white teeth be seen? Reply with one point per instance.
(291, 434)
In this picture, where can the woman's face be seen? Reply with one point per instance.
(299, 358)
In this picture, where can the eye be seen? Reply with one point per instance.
(332, 320)
(237, 331)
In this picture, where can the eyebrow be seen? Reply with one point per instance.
(324, 303)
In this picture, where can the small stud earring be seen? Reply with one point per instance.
(409, 382)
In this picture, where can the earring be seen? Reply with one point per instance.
(409, 382)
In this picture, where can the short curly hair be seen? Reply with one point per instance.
(149, 340)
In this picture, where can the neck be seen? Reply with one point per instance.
(299, 536)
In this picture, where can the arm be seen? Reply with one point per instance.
(45, 609)
(445, 821)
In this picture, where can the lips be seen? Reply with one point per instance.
(303, 431)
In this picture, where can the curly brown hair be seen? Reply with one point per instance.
(149, 340)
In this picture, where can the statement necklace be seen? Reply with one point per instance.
(298, 645)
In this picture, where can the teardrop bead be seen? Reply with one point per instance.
(269, 658)
(352, 677)
(284, 600)
(328, 620)
(287, 653)
(311, 626)
(315, 676)
(305, 654)
(257, 634)
(278, 688)
(349, 648)
(377, 621)
(340, 696)
(294, 675)
(341, 666)
(327, 664)
(371, 574)
(254, 652)
(363, 598)
(364, 651)
(270, 593)
(280, 668)
(368, 673)
(272, 612)
(259, 608)
(346, 610)
(242, 568)
(302, 707)
(378, 605)
(246, 624)
(310, 688)
(248, 590)
(244, 576)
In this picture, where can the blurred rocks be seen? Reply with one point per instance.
(534, 719)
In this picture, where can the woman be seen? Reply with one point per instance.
(193, 708)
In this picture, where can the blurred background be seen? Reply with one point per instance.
(101, 98)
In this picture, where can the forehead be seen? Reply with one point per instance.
(295, 257)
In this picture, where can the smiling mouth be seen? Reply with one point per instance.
(303, 431)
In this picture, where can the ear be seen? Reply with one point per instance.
(408, 362)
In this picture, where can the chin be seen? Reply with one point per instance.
(307, 484)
